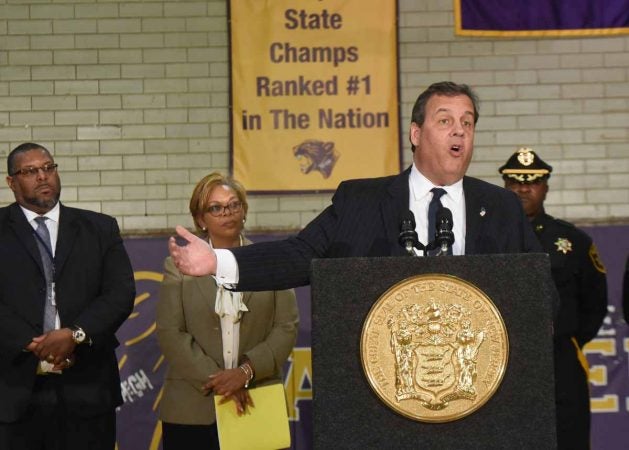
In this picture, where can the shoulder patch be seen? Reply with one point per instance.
(596, 259)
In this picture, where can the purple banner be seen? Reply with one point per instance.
(541, 17)
(608, 353)
(142, 366)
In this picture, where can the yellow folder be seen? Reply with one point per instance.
(263, 427)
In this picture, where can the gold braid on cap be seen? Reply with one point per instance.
(525, 177)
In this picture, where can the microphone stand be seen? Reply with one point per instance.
(444, 237)
(408, 236)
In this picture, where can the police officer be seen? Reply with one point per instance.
(580, 278)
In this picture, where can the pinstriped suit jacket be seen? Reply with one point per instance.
(364, 220)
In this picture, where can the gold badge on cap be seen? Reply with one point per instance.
(563, 245)
(526, 156)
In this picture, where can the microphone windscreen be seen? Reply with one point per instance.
(408, 219)
(444, 217)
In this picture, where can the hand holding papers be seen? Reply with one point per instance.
(264, 426)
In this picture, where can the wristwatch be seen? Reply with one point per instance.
(78, 335)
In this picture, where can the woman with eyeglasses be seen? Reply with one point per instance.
(217, 342)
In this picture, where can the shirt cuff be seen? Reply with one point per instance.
(226, 268)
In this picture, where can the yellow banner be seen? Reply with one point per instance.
(314, 92)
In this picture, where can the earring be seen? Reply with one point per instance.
(204, 228)
(244, 220)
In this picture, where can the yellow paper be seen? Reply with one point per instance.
(263, 427)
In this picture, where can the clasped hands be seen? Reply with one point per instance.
(230, 383)
(55, 347)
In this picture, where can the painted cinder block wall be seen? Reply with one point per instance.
(132, 98)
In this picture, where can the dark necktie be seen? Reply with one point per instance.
(45, 249)
(433, 207)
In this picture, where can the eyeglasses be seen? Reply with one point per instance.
(34, 171)
(219, 210)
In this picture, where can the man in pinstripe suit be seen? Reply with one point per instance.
(364, 217)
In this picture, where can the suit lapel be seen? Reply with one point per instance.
(25, 233)
(392, 207)
(476, 210)
(66, 237)
(246, 298)
(207, 291)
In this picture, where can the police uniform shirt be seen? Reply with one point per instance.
(579, 276)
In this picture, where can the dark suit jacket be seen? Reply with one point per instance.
(364, 220)
(95, 290)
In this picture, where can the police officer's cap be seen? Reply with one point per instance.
(525, 166)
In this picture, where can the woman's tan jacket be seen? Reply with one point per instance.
(189, 334)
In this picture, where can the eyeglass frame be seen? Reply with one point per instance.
(218, 209)
(48, 169)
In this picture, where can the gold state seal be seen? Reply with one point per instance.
(434, 348)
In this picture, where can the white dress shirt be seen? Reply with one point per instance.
(53, 229)
(229, 307)
(453, 199)
(52, 223)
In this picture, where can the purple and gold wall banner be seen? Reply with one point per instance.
(556, 18)
(314, 93)
(608, 353)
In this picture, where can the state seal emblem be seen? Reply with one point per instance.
(434, 348)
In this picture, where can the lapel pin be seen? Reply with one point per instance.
(482, 211)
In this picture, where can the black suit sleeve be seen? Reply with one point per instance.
(592, 292)
(285, 264)
(15, 333)
(110, 293)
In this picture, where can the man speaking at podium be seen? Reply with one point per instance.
(364, 217)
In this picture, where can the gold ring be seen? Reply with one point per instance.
(50, 358)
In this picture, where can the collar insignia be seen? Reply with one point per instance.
(563, 245)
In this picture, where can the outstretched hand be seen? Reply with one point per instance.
(196, 258)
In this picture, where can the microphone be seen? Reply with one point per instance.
(444, 237)
(408, 236)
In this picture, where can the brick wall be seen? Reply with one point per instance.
(132, 99)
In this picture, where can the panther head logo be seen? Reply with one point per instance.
(316, 155)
